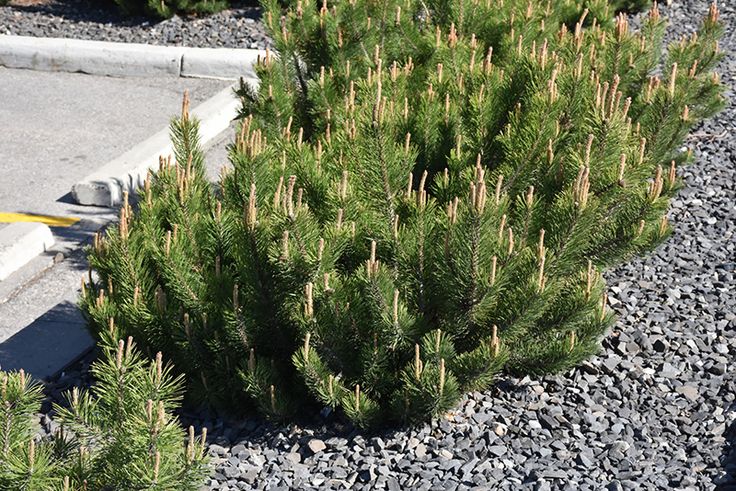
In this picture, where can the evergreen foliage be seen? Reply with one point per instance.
(121, 435)
(422, 194)
(166, 8)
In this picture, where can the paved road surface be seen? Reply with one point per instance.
(59, 127)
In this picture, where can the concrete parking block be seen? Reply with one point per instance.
(20, 242)
(128, 172)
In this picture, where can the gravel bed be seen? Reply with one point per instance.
(99, 20)
(655, 410)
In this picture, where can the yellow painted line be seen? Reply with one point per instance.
(51, 221)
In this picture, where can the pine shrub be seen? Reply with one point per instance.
(120, 435)
(166, 8)
(422, 194)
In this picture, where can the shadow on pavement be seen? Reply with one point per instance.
(59, 337)
(42, 348)
(67, 199)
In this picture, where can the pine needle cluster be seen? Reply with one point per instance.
(421, 194)
(119, 435)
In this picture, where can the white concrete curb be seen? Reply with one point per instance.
(105, 186)
(125, 59)
(20, 243)
(219, 62)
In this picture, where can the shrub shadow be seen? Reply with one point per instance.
(48, 344)
(332, 427)
(727, 482)
(81, 11)
(106, 12)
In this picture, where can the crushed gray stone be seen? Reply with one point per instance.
(236, 27)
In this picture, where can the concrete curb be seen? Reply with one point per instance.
(20, 243)
(125, 59)
(105, 186)
(219, 63)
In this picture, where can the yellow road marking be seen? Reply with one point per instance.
(48, 220)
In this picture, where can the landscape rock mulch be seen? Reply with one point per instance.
(237, 27)
(654, 410)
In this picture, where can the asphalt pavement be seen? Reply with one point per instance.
(59, 127)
